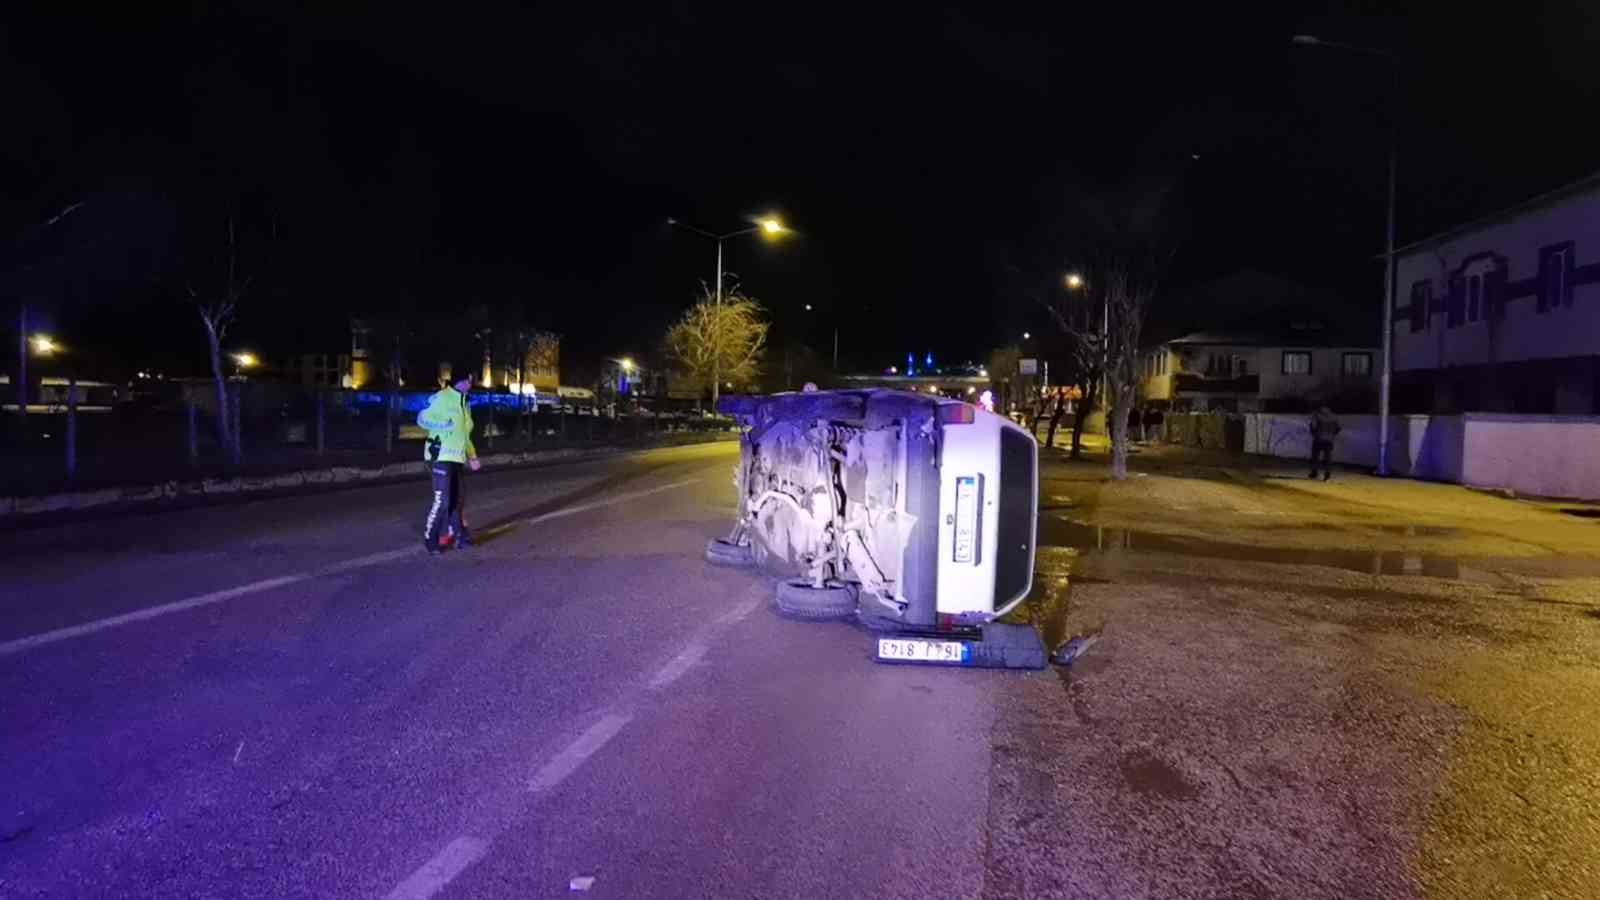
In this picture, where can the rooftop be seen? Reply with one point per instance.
(1582, 185)
(1294, 334)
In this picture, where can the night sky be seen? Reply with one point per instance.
(432, 159)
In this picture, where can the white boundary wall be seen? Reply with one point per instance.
(1544, 456)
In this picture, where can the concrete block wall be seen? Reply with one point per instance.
(1544, 456)
(1548, 456)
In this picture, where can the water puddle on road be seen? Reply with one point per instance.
(1056, 531)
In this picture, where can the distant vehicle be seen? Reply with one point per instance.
(920, 509)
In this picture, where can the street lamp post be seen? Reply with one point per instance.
(769, 225)
(1386, 377)
(835, 340)
(22, 326)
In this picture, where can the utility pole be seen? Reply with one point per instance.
(22, 329)
(769, 226)
(22, 365)
(1386, 378)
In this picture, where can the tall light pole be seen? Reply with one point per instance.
(1389, 273)
(22, 327)
(768, 225)
(835, 340)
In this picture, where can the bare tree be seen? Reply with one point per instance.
(217, 307)
(1125, 237)
(1079, 315)
(1130, 258)
(719, 342)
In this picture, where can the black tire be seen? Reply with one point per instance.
(720, 552)
(799, 600)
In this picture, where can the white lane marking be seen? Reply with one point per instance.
(567, 761)
(437, 872)
(678, 665)
(150, 612)
(609, 501)
(698, 647)
(737, 613)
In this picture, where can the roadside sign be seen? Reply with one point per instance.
(1028, 367)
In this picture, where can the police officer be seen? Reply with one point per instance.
(448, 421)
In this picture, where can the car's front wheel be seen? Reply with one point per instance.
(802, 600)
(722, 552)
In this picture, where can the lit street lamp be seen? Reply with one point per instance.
(245, 360)
(771, 226)
(43, 345)
(1306, 40)
(1074, 281)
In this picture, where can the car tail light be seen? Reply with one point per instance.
(957, 414)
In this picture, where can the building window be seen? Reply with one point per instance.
(1241, 366)
(1421, 300)
(1296, 362)
(1555, 276)
(1358, 365)
(1456, 303)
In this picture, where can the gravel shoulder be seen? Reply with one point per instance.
(1278, 722)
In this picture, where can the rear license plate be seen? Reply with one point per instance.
(950, 653)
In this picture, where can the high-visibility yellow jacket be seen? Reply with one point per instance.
(448, 421)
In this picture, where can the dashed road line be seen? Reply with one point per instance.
(678, 665)
(576, 753)
(698, 646)
(457, 856)
(438, 872)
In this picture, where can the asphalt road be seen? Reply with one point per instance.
(289, 698)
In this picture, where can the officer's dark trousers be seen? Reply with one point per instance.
(444, 507)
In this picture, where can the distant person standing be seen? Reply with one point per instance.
(1136, 424)
(448, 420)
(1324, 428)
(1153, 421)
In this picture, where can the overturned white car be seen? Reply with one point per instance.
(922, 510)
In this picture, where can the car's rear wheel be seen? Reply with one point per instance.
(722, 552)
(802, 600)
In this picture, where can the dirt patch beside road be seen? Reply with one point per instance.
(1393, 690)
(1205, 749)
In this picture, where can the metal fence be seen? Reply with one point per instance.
(278, 428)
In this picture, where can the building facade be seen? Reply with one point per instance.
(1301, 367)
(1503, 314)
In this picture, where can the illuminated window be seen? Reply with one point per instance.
(1358, 365)
(1296, 362)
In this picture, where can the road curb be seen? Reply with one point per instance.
(50, 508)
